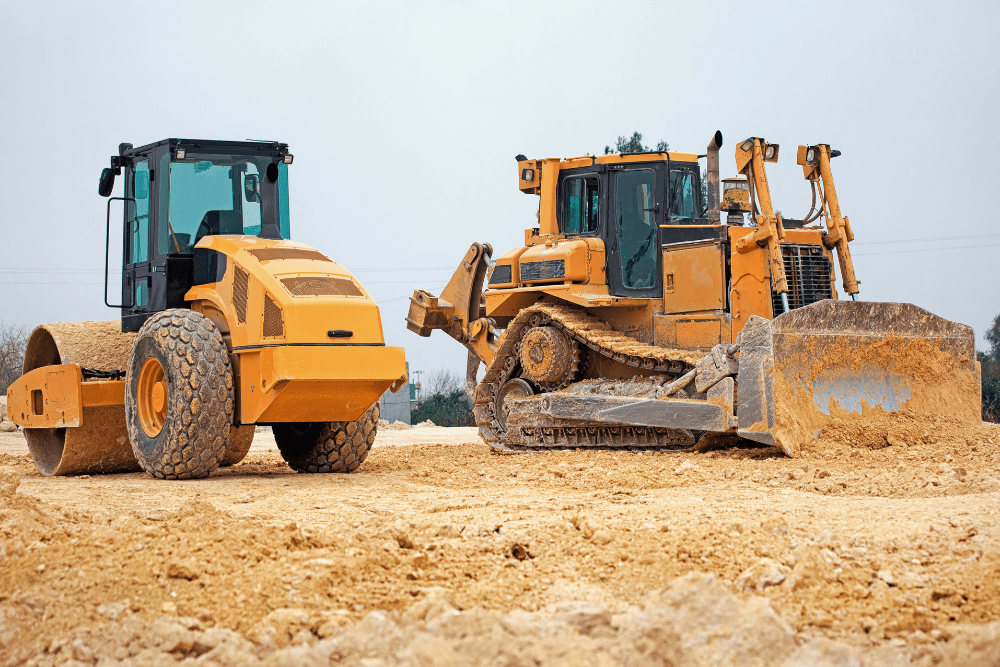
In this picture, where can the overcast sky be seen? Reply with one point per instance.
(405, 117)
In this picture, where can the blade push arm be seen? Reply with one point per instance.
(815, 161)
(750, 158)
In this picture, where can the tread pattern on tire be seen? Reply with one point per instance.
(240, 440)
(339, 446)
(201, 396)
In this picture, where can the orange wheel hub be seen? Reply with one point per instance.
(151, 397)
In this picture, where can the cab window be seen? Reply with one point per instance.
(579, 205)
(683, 203)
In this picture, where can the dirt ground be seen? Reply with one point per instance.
(879, 545)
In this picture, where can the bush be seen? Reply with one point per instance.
(13, 338)
(446, 403)
(445, 409)
(991, 388)
(990, 365)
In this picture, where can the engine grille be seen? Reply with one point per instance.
(547, 270)
(321, 286)
(274, 325)
(807, 271)
(501, 274)
(272, 254)
(241, 286)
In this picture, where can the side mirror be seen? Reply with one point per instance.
(107, 182)
(251, 188)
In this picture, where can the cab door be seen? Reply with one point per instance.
(636, 212)
(136, 274)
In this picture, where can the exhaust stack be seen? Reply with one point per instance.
(713, 178)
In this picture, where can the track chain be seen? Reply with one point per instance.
(595, 334)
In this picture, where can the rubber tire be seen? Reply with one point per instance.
(327, 447)
(200, 395)
(240, 439)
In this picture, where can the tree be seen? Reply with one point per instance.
(446, 403)
(13, 339)
(989, 363)
(993, 338)
(633, 144)
(991, 387)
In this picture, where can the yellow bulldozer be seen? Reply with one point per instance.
(225, 323)
(635, 317)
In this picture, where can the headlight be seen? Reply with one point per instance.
(180, 153)
(769, 152)
(746, 145)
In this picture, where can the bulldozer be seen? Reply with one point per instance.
(226, 323)
(635, 317)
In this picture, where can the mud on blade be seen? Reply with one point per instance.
(844, 359)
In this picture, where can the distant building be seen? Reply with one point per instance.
(396, 407)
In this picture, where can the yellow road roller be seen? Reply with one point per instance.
(225, 324)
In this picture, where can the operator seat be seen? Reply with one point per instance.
(219, 222)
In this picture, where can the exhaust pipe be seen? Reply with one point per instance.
(713, 178)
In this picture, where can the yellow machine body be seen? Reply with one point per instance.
(712, 279)
(276, 302)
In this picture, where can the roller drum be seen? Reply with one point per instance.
(100, 444)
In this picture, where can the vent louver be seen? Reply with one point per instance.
(273, 254)
(274, 325)
(241, 286)
(321, 286)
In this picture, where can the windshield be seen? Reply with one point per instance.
(682, 191)
(218, 194)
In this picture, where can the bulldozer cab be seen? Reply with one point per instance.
(635, 208)
(178, 191)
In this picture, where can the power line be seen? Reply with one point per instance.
(34, 283)
(932, 238)
(896, 252)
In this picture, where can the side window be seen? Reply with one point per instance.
(682, 195)
(591, 204)
(284, 226)
(635, 214)
(139, 224)
(579, 206)
(572, 200)
(251, 199)
(141, 296)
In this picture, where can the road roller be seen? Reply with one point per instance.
(226, 323)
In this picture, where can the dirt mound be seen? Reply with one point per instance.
(851, 550)
(903, 429)
(694, 621)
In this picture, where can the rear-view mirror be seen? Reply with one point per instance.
(251, 187)
(107, 182)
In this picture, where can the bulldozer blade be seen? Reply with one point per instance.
(848, 360)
